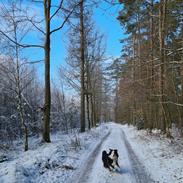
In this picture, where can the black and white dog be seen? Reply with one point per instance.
(110, 160)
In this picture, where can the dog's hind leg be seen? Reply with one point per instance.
(106, 165)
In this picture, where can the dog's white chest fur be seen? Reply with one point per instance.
(114, 158)
(111, 155)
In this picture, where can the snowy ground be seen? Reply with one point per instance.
(143, 159)
(162, 157)
(130, 171)
(50, 163)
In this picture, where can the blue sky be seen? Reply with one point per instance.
(106, 22)
(105, 18)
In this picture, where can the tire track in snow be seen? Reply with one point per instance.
(87, 166)
(132, 170)
(139, 171)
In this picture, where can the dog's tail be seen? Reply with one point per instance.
(104, 153)
(104, 159)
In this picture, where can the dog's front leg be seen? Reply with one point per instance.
(117, 164)
(112, 167)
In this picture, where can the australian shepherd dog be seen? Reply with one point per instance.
(110, 160)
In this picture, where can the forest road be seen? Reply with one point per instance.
(131, 169)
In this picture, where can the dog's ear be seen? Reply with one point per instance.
(110, 151)
(116, 152)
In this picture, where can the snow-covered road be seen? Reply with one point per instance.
(131, 171)
(142, 157)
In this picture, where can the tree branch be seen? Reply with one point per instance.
(33, 23)
(60, 6)
(66, 19)
(18, 44)
(31, 62)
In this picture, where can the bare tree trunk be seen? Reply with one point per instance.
(133, 79)
(88, 93)
(88, 110)
(116, 102)
(19, 93)
(152, 111)
(181, 123)
(82, 57)
(90, 99)
(20, 108)
(161, 40)
(94, 111)
(178, 108)
(162, 22)
(47, 105)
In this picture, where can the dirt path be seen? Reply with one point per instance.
(131, 171)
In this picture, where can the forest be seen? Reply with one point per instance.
(143, 86)
(150, 83)
(81, 77)
(31, 103)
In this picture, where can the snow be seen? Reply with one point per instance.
(162, 157)
(129, 172)
(143, 157)
(125, 174)
(46, 162)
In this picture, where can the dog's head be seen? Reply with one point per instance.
(113, 153)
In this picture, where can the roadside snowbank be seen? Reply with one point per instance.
(162, 157)
(53, 162)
